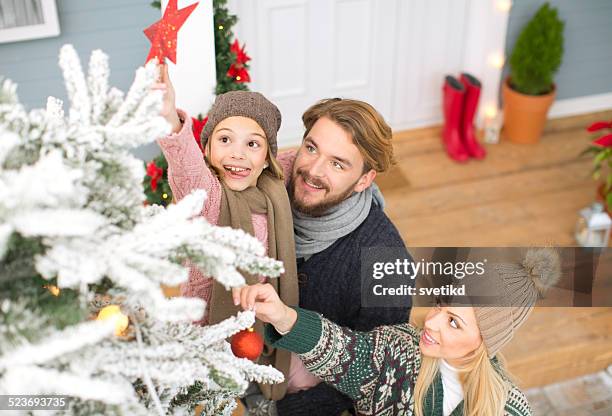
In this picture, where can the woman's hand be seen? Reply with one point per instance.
(263, 299)
(168, 110)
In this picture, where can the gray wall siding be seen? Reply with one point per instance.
(585, 69)
(115, 26)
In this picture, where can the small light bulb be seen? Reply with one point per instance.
(496, 60)
(238, 78)
(490, 111)
(164, 195)
(113, 313)
(220, 27)
(504, 5)
(55, 291)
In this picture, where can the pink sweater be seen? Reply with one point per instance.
(187, 171)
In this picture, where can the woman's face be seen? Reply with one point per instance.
(450, 333)
(238, 150)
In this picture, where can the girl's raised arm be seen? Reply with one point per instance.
(187, 170)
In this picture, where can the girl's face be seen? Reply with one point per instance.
(450, 333)
(238, 150)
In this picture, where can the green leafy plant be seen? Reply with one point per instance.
(537, 53)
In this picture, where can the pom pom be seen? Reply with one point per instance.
(247, 344)
(544, 268)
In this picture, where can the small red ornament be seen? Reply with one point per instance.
(156, 173)
(162, 33)
(247, 344)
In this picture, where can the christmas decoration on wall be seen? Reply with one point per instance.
(247, 344)
(77, 243)
(232, 75)
(163, 33)
(238, 69)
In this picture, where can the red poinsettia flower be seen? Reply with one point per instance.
(197, 127)
(241, 56)
(604, 141)
(239, 73)
(238, 70)
(156, 173)
(599, 125)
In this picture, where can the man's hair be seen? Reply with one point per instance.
(368, 129)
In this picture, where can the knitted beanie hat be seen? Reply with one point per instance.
(246, 104)
(518, 286)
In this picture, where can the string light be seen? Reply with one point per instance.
(165, 195)
(238, 78)
(490, 111)
(504, 5)
(496, 60)
(55, 291)
(220, 27)
(113, 312)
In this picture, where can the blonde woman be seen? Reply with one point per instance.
(449, 367)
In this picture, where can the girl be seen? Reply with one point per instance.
(447, 368)
(245, 189)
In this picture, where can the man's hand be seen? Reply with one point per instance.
(263, 299)
(168, 110)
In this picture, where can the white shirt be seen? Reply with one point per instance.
(453, 391)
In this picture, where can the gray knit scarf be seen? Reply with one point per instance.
(315, 234)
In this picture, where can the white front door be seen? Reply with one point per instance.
(391, 53)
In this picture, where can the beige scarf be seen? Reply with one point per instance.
(268, 197)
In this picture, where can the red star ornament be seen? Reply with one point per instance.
(162, 34)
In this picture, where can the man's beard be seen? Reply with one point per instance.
(321, 208)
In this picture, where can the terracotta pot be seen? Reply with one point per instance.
(525, 115)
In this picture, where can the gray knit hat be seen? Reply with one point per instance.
(518, 285)
(246, 104)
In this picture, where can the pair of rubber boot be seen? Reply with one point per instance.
(460, 104)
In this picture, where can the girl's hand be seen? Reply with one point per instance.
(168, 110)
(263, 299)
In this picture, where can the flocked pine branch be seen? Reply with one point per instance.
(72, 216)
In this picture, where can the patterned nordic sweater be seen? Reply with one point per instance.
(377, 369)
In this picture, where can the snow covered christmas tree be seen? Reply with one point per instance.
(76, 238)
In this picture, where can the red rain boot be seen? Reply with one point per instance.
(453, 97)
(472, 94)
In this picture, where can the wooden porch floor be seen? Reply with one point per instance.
(520, 195)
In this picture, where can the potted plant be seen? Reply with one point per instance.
(601, 149)
(529, 91)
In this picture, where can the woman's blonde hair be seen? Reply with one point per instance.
(485, 388)
(273, 166)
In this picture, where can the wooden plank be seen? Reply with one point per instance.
(560, 343)
(486, 190)
(498, 222)
(518, 196)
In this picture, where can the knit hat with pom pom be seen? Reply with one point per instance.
(519, 286)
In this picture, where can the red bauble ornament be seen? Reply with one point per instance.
(162, 33)
(247, 344)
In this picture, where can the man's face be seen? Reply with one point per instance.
(328, 168)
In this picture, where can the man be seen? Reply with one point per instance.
(337, 211)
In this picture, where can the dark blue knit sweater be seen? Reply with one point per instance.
(330, 283)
